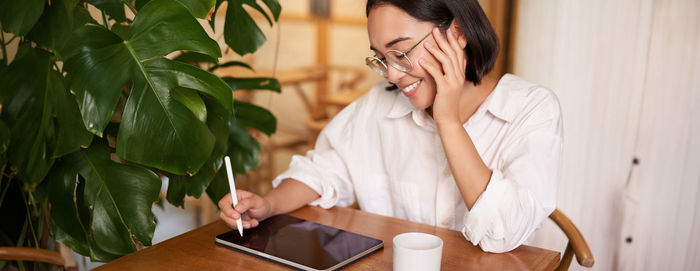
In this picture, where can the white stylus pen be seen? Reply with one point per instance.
(232, 185)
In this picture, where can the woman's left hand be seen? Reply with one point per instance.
(449, 79)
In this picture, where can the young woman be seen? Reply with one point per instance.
(448, 147)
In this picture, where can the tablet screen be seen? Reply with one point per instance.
(293, 241)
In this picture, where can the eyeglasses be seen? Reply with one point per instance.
(397, 59)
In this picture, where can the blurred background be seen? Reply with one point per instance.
(627, 73)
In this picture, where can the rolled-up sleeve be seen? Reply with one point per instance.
(521, 192)
(323, 169)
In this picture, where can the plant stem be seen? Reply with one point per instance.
(104, 19)
(34, 205)
(20, 243)
(4, 191)
(29, 219)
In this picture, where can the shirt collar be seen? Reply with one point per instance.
(507, 99)
(504, 102)
(401, 107)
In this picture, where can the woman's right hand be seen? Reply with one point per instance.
(251, 208)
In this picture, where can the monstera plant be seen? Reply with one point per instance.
(92, 112)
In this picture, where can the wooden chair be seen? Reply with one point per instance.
(340, 90)
(577, 244)
(64, 258)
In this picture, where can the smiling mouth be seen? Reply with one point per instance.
(411, 87)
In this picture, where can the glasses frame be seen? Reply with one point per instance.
(369, 59)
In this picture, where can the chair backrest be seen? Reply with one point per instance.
(64, 258)
(577, 244)
(31, 255)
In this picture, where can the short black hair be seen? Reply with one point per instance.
(482, 42)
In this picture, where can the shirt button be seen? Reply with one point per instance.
(446, 172)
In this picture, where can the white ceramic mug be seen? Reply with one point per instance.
(417, 251)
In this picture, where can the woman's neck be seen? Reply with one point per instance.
(472, 97)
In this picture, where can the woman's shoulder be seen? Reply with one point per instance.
(525, 88)
(529, 97)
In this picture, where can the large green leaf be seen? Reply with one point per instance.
(71, 133)
(32, 93)
(66, 224)
(18, 17)
(99, 67)
(27, 114)
(230, 64)
(267, 83)
(156, 130)
(193, 58)
(179, 186)
(250, 115)
(113, 8)
(191, 99)
(164, 26)
(119, 198)
(242, 148)
(122, 30)
(198, 8)
(55, 25)
(161, 132)
(241, 33)
(274, 7)
(138, 4)
(244, 152)
(81, 16)
(171, 74)
(212, 20)
(218, 187)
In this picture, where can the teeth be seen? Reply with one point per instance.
(411, 87)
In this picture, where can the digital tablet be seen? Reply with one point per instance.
(300, 243)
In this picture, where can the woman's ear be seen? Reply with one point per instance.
(461, 39)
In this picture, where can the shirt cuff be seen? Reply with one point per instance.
(482, 218)
(302, 170)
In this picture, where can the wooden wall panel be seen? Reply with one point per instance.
(628, 77)
(592, 54)
(662, 195)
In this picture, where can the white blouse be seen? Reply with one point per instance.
(388, 156)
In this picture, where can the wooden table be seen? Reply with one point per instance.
(195, 250)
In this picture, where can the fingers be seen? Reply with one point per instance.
(444, 45)
(225, 204)
(229, 214)
(227, 208)
(434, 71)
(449, 53)
(459, 52)
(230, 221)
(251, 223)
(251, 208)
(440, 56)
(242, 194)
(244, 205)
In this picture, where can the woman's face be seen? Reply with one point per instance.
(391, 28)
